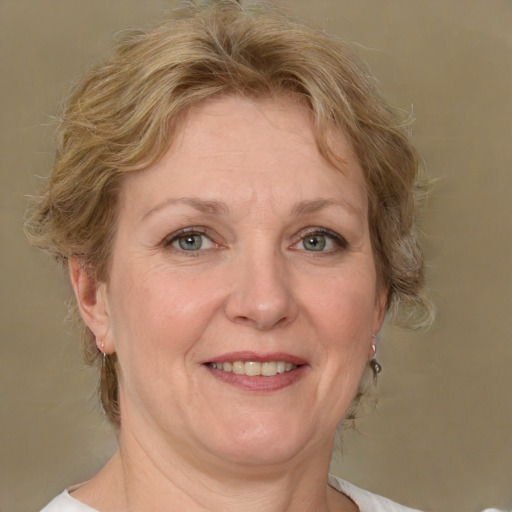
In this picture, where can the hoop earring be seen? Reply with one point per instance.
(375, 366)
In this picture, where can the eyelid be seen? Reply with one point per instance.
(340, 240)
(193, 230)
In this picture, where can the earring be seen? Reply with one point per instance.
(374, 364)
(102, 350)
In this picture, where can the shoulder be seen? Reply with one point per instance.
(66, 503)
(365, 500)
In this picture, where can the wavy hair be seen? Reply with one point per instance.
(123, 113)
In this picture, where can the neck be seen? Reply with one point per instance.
(215, 485)
(147, 478)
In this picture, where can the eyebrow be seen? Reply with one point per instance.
(213, 207)
(312, 206)
(202, 205)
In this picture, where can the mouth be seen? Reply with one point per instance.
(255, 372)
(254, 368)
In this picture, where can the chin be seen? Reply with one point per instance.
(262, 443)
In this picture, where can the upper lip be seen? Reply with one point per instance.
(257, 357)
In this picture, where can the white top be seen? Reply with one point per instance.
(365, 500)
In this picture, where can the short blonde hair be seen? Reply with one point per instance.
(122, 115)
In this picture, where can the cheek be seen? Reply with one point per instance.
(156, 323)
(343, 322)
(153, 311)
(344, 308)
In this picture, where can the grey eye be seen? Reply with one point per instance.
(190, 242)
(314, 242)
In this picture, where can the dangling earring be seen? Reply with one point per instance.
(104, 356)
(103, 383)
(374, 364)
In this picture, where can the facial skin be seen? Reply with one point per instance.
(214, 261)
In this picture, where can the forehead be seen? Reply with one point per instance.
(253, 150)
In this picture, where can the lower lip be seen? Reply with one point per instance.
(260, 383)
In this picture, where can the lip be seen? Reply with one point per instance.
(259, 383)
(257, 357)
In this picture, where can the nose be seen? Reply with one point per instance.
(262, 295)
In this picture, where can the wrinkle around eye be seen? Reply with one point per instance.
(191, 240)
(330, 242)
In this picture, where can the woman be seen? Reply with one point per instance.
(236, 205)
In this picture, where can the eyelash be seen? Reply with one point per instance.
(183, 233)
(339, 241)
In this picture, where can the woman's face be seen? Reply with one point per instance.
(242, 295)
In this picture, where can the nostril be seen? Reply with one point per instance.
(245, 321)
(255, 303)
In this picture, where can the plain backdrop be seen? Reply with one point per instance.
(441, 437)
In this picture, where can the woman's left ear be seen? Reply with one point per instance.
(92, 302)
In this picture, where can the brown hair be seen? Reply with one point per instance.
(122, 114)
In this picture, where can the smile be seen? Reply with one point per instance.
(254, 368)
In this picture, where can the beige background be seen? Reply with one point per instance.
(441, 439)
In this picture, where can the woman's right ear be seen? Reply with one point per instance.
(92, 302)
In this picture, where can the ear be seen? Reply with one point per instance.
(92, 302)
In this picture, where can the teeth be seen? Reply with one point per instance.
(268, 369)
(238, 367)
(254, 368)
